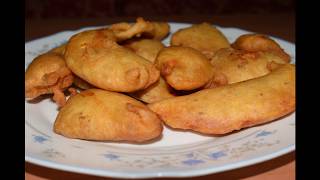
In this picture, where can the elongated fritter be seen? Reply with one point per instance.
(96, 114)
(234, 65)
(96, 57)
(227, 108)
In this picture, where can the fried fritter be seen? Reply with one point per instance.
(160, 31)
(60, 49)
(184, 68)
(96, 57)
(96, 114)
(80, 83)
(154, 30)
(48, 74)
(227, 108)
(156, 92)
(259, 42)
(146, 48)
(203, 37)
(77, 81)
(233, 65)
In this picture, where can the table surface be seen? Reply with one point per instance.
(278, 25)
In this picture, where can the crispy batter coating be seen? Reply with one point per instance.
(203, 37)
(233, 65)
(227, 108)
(153, 30)
(156, 92)
(259, 42)
(48, 74)
(96, 114)
(95, 57)
(80, 83)
(59, 50)
(184, 68)
(146, 48)
(160, 31)
(77, 81)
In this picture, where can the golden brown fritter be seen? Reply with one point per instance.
(227, 108)
(156, 92)
(80, 83)
(184, 68)
(48, 74)
(59, 50)
(153, 30)
(146, 48)
(233, 65)
(259, 42)
(159, 32)
(203, 37)
(96, 57)
(96, 114)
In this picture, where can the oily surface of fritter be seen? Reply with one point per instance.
(80, 83)
(156, 92)
(146, 48)
(259, 42)
(95, 57)
(60, 49)
(96, 114)
(48, 74)
(237, 65)
(184, 68)
(203, 37)
(232, 107)
(160, 30)
(151, 30)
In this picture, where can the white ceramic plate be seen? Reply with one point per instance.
(176, 154)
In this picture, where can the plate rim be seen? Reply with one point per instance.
(178, 173)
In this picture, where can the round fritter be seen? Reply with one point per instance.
(259, 42)
(95, 57)
(203, 37)
(96, 114)
(184, 68)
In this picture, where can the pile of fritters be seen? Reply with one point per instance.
(123, 82)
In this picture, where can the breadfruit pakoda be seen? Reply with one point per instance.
(259, 42)
(227, 108)
(48, 74)
(146, 48)
(156, 92)
(184, 68)
(154, 30)
(96, 114)
(96, 57)
(203, 37)
(238, 65)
